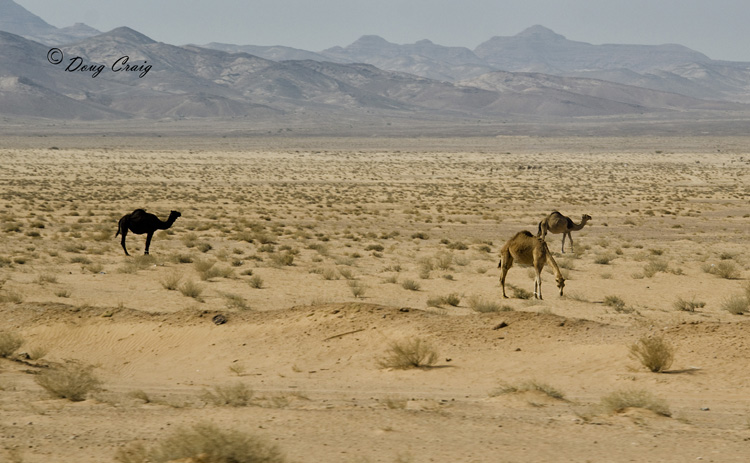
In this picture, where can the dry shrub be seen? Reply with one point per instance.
(71, 380)
(191, 289)
(736, 304)
(171, 281)
(414, 353)
(9, 343)
(724, 269)
(687, 306)
(256, 282)
(232, 395)
(204, 442)
(531, 385)
(615, 302)
(357, 288)
(11, 296)
(411, 285)
(654, 353)
(623, 399)
(482, 305)
(452, 299)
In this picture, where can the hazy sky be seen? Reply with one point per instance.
(718, 28)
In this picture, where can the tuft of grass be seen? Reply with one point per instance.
(357, 288)
(283, 259)
(482, 305)
(453, 299)
(237, 394)
(329, 273)
(736, 304)
(191, 289)
(687, 306)
(11, 296)
(140, 395)
(71, 380)
(520, 293)
(653, 352)
(531, 385)
(9, 343)
(615, 302)
(724, 269)
(46, 278)
(413, 353)
(62, 293)
(256, 282)
(411, 285)
(654, 266)
(620, 400)
(171, 281)
(235, 301)
(203, 442)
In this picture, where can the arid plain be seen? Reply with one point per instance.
(323, 254)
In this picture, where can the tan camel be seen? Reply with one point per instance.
(528, 249)
(558, 223)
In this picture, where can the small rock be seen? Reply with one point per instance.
(219, 319)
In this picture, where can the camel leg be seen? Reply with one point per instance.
(563, 243)
(148, 241)
(122, 241)
(538, 285)
(570, 238)
(506, 263)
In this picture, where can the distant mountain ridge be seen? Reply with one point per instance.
(18, 20)
(422, 81)
(669, 67)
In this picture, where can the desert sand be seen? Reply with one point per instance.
(321, 253)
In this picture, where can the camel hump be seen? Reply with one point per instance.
(137, 213)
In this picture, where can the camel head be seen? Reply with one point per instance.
(173, 215)
(561, 284)
(585, 218)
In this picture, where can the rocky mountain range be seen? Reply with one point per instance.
(668, 68)
(125, 74)
(18, 20)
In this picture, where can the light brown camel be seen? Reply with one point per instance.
(528, 249)
(140, 222)
(558, 223)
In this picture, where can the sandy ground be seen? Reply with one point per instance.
(322, 253)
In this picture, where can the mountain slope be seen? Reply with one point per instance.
(192, 82)
(18, 20)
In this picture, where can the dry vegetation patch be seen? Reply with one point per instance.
(316, 252)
